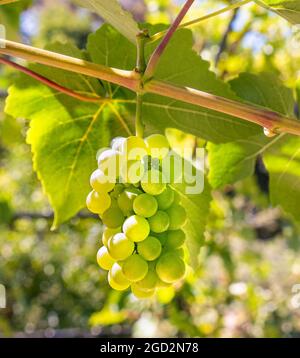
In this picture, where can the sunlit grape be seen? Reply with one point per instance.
(170, 268)
(141, 294)
(98, 203)
(126, 200)
(153, 182)
(120, 247)
(118, 276)
(116, 143)
(108, 233)
(132, 171)
(157, 145)
(150, 248)
(159, 222)
(136, 228)
(135, 268)
(134, 148)
(145, 205)
(104, 259)
(149, 281)
(165, 199)
(109, 162)
(113, 217)
(175, 239)
(100, 182)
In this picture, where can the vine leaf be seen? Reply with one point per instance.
(181, 65)
(197, 206)
(112, 12)
(288, 9)
(64, 134)
(231, 162)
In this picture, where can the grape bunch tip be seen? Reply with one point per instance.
(143, 241)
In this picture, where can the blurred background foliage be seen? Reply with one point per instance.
(251, 259)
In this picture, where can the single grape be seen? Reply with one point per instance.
(108, 233)
(141, 294)
(126, 200)
(109, 162)
(179, 251)
(100, 151)
(150, 248)
(136, 228)
(118, 276)
(145, 205)
(162, 284)
(116, 143)
(113, 217)
(100, 182)
(153, 182)
(177, 215)
(115, 285)
(149, 281)
(159, 222)
(132, 171)
(98, 203)
(165, 199)
(170, 268)
(120, 247)
(157, 145)
(134, 148)
(104, 259)
(175, 239)
(135, 268)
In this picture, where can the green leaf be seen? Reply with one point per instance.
(112, 12)
(288, 9)
(64, 134)
(234, 161)
(197, 207)
(181, 65)
(281, 154)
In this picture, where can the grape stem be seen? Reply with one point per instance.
(156, 55)
(49, 83)
(141, 38)
(131, 80)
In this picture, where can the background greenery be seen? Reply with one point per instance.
(243, 287)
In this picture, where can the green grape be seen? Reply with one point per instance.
(150, 248)
(177, 198)
(134, 148)
(159, 222)
(170, 268)
(132, 171)
(177, 215)
(116, 143)
(175, 239)
(98, 203)
(165, 199)
(173, 166)
(136, 228)
(126, 200)
(100, 182)
(109, 162)
(108, 233)
(117, 275)
(135, 268)
(113, 217)
(153, 182)
(162, 237)
(149, 281)
(141, 294)
(104, 259)
(120, 247)
(157, 145)
(145, 205)
(115, 285)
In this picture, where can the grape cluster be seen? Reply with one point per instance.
(143, 238)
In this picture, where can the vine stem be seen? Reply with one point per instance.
(156, 55)
(131, 79)
(140, 68)
(194, 22)
(48, 82)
